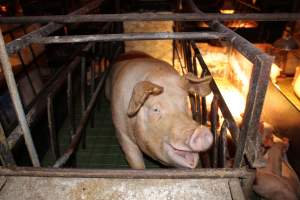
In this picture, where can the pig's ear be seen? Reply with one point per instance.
(197, 85)
(140, 93)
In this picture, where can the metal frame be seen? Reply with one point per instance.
(151, 17)
(246, 137)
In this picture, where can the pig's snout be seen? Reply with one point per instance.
(201, 139)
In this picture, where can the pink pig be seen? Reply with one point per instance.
(151, 114)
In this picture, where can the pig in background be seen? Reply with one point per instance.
(277, 180)
(150, 111)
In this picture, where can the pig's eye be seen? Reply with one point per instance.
(155, 109)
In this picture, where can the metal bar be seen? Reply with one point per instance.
(93, 81)
(223, 144)
(25, 40)
(180, 63)
(70, 103)
(82, 124)
(234, 130)
(214, 123)
(255, 99)
(238, 42)
(128, 36)
(52, 131)
(127, 174)
(83, 95)
(6, 156)
(150, 16)
(204, 111)
(13, 90)
(257, 90)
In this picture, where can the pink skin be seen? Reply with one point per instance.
(277, 180)
(160, 123)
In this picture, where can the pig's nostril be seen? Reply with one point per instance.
(201, 139)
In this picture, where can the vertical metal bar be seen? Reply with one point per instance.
(52, 131)
(214, 124)
(6, 156)
(223, 144)
(258, 82)
(83, 95)
(204, 111)
(12, 87)
(92, 85)
(70, 105)
(173, 53)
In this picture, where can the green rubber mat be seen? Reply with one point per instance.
(102, 148)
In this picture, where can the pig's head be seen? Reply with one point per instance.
(164, 128)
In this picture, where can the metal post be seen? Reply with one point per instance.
(12, 87)
(93, 81)
(83, 95)
(214, 124)
(70, 105)
(51, 124)
(223, 145)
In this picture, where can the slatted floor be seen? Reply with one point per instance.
(103, 149)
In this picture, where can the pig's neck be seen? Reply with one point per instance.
(274, 164)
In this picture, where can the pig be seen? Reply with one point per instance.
(277, 180)
(150, 111)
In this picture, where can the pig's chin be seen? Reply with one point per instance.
(181, 158)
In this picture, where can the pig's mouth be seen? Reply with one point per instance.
(182, 158)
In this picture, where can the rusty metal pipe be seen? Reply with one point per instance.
(128, 36)
(83, 95)
(223, 144)
(150, 16)
(127, 174)
(214, 124)
(51, 125)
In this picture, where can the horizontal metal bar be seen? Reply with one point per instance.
(129, 36)
(127, 174)
(25, 40)
(149, 16)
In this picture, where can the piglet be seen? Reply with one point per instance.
(277, 180)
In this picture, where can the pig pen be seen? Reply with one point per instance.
(84, 76)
